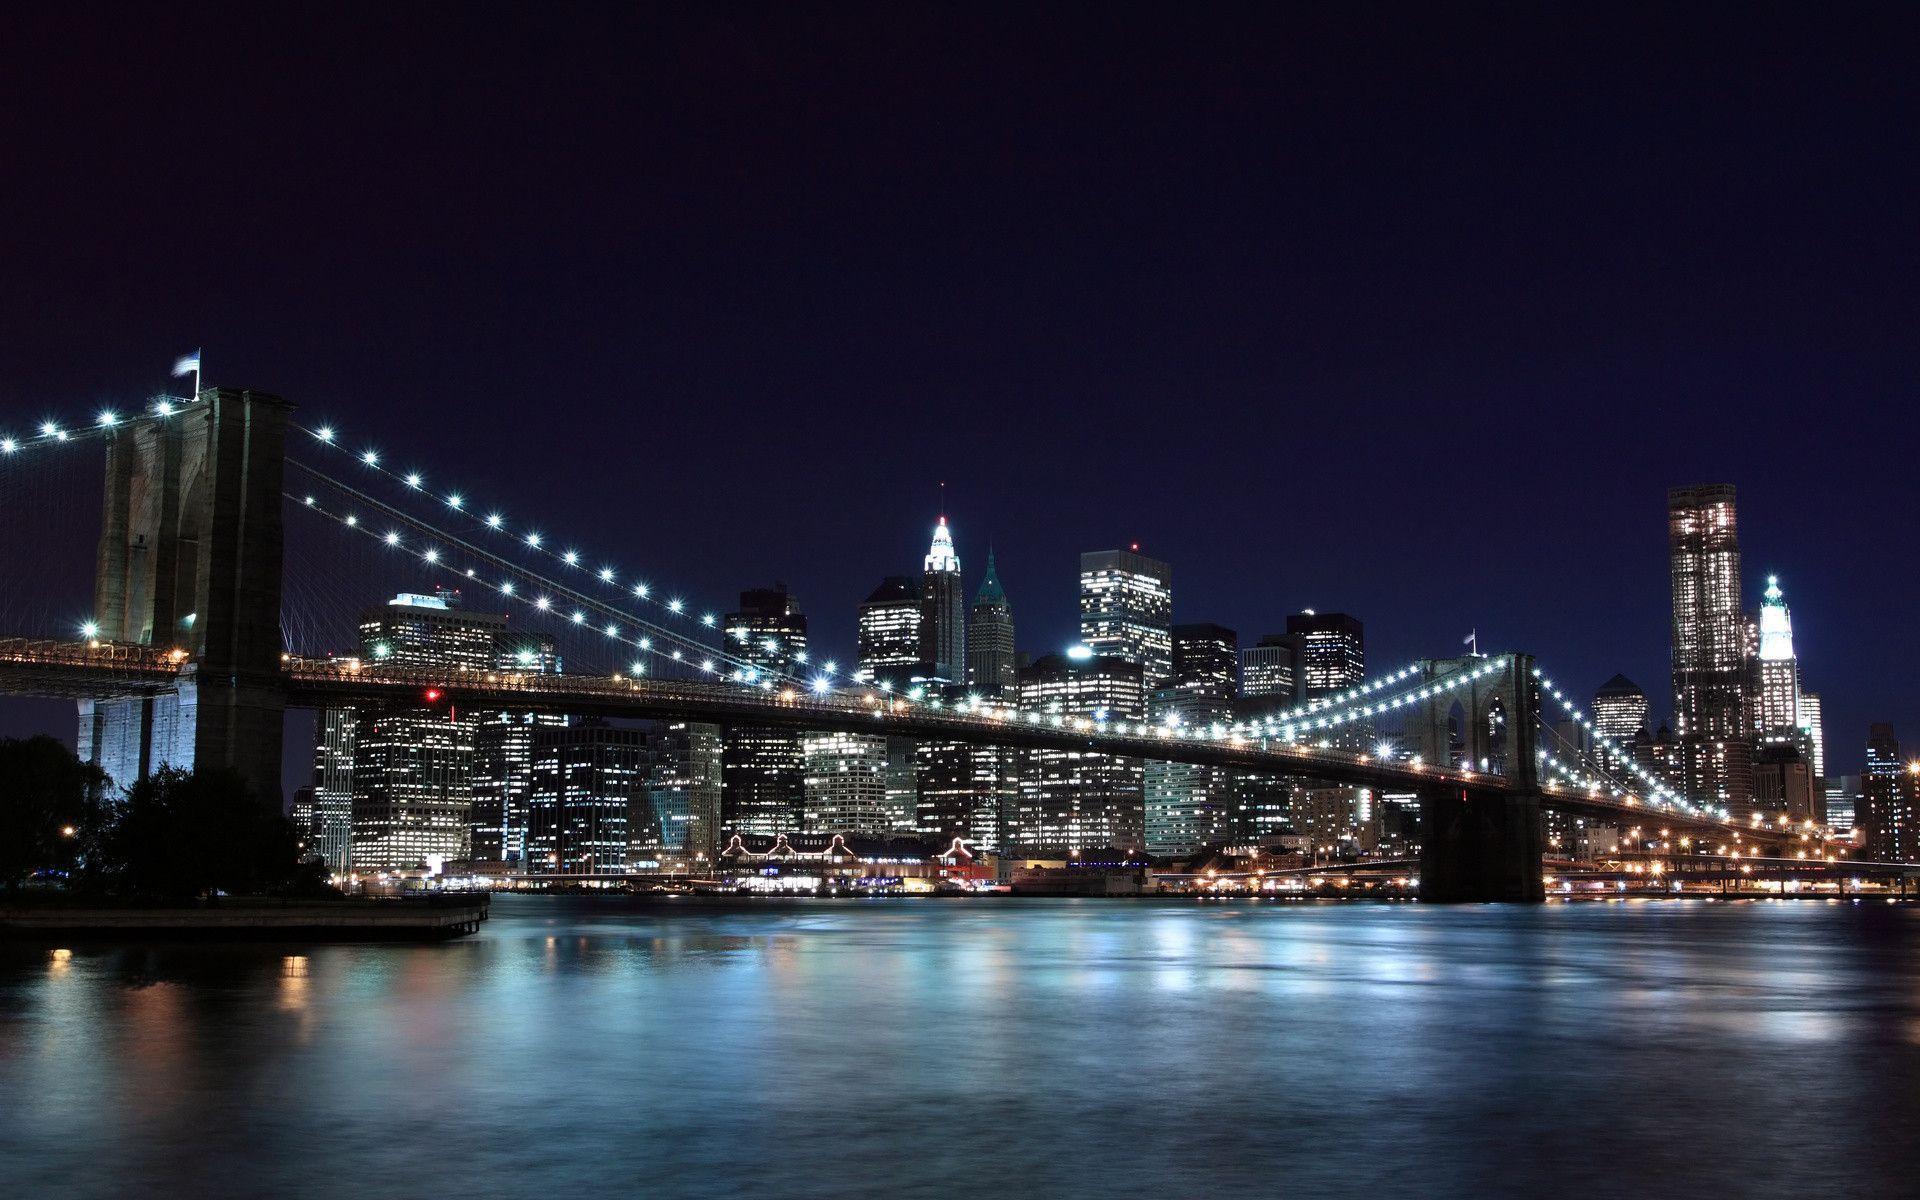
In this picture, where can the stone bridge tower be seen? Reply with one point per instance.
(1476, 844)
(190, 559)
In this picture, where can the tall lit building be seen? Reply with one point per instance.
(889, 633)
(1619, 710)
(1710, 723)
(943, 609)
(991, 669)
(1206, 660)
(1070, 800)
(332, 827)
(683, 788)
(1843, 801)
(763, 775)
(846, 783)
(1332, 652)
(1815, 730)
(412, 768)
(586, 785)
(1889, 813)
(1126, 611)
(1270, 669)
(502, 773)
(1778, 710)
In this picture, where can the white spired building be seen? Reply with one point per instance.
(1778, 711)
(943, 609)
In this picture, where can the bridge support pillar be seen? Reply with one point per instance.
(1481, 846)
(189, 559)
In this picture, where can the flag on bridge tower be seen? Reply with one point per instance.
(190, 363)
(1472, 643)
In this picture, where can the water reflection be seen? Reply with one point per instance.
(1058, 1047)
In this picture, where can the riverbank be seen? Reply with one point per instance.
(409, 919)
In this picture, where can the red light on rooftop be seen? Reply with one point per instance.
(432, 695)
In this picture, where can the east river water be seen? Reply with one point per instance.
(985, 1048)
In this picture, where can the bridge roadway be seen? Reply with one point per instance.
(106, 669)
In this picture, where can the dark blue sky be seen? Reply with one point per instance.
(1410, 312)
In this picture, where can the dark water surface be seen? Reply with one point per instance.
(904, 1048)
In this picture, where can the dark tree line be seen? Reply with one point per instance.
(177, 835)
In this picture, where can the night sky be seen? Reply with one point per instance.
(1410, 313)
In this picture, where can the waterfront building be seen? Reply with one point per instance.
(1815, 729)
(681, 825)
(1889, 812)
(1784, 785)
(1332, 652)
(502, 773)
(1270, 669)
(903, 787)
(762, 776)
(943, 609)
(846, 783)
(586, 788)
(889, 631)
(1126, 611)
(1709, 647)
(411, 768)
(332, 824)
(1070, 800)
(991, 668)
(1189, 806)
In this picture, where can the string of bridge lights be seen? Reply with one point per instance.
(1653, 782)
(1418, 690)
(495, 520)
(51, 432)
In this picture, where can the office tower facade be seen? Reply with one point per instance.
(1784, 785)
(903, 786)
(763, 776)
(1843, 801)
(1332, 652)
(1709, 647)
(1072, 801)
(683, 798)
(991, 669)
(943, 609)
(1269, 669)
(846, 783)
(1619, 710)
(1814, 727)
(332, 827)
(586, 786)
(889, 631)
(1888, 815)
(502, 773)
(1206, 660)
(1188, 806)
(412, 769)
(1126, 611)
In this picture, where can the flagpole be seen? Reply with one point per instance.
(196, 376)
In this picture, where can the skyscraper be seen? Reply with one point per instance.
(1206, 660)
(846, 783)
(1332, 652)
(990, 655)
(683, 791)
(332, 829)
(586, 785)
(412, 768)
(1703, 548)
(1778, 710)
(1126, 611)
(943, 609)
(889, 632)
(1889, 801)
(1815, 729)
(1072, 801)
(502, 773)
(762, 777)
(1619, 710)
(1269, 669)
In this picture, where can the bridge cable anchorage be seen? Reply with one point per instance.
(495, 521)
(702, 658)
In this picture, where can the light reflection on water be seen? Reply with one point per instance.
(934, 1048)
